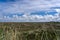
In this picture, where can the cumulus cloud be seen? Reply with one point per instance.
(33, 18)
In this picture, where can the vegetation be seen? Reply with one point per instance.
(30, 31)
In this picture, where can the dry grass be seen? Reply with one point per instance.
(29, 31)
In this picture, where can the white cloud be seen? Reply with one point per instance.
(28, 6)
(33, 18)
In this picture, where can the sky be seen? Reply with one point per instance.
(29, 10)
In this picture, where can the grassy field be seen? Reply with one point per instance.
(30, 31)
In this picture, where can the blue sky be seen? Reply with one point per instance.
(29, 10)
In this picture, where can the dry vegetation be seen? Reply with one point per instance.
(30, 31)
